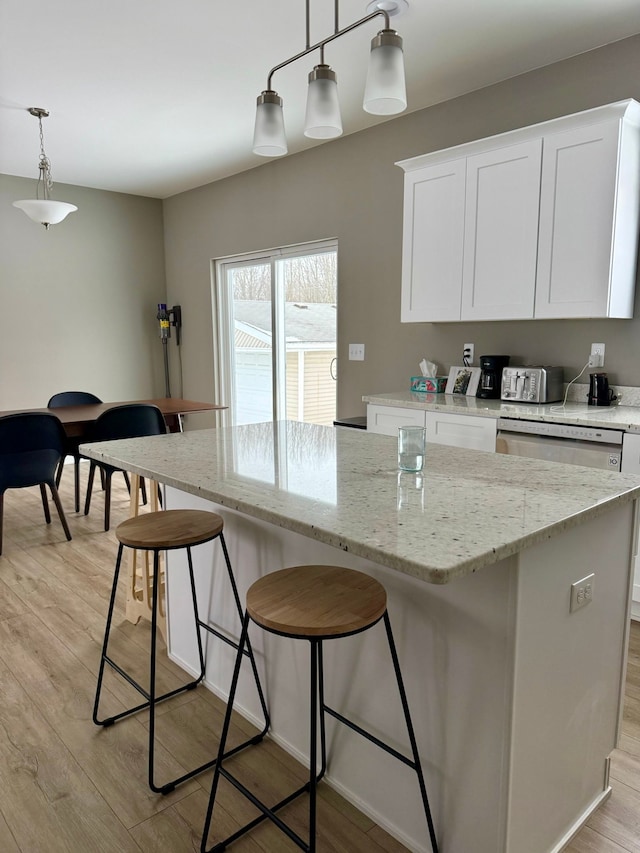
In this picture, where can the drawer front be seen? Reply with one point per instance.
(386, 419)
(467, 431)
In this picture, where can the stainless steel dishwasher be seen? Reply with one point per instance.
(576, 445)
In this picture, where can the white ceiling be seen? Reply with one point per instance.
(153, 97)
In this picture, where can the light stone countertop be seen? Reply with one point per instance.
(467, 510)
(626, 418)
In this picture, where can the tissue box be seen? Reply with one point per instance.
(432, 384)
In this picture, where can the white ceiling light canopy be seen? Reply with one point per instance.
(44, 210)
(385, 91)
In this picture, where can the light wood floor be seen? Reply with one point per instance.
(68, 786)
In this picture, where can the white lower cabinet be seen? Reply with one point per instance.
(468, 431)
(631, 465)
(386, 419)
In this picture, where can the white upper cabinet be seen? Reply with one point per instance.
(434, 241)
(540, 222)
(587, 254)
(501, 232)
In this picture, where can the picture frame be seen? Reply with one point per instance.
(463, 380)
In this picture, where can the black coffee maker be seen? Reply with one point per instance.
(600, 394)
(491, 367)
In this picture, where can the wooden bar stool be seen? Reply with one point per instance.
(313, 603)
(167, 531)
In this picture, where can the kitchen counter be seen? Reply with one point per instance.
(626, 418)
(342, 487)
(516, 698)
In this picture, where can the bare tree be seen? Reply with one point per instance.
(307, 278)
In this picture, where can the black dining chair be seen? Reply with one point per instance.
(72, 443)
(133, 420)
(31, 447)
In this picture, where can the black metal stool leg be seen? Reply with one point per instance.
(323, 736)
(105, 644)
(313, 744)
(196, 615)
(152, 678)
(254, 667)
(223, 735)
(414, 747)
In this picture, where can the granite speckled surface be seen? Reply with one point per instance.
(465, 511)
(615, 417)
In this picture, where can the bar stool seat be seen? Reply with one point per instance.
(170, 530)
(314, 603)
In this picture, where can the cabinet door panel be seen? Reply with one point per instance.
(386, 419)
(501, 232)
(470, 431)
(577, 219)
(432, 243)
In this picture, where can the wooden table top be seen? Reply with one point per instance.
(76, 419)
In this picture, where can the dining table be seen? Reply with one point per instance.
(76, 420)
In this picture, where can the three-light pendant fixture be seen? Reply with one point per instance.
(384, 94)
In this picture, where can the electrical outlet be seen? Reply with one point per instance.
(596, 359)
(356, 352)
(467, 353)
(582, 592)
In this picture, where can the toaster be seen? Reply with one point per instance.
(532, 384)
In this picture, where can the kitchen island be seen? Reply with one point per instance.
(516, 698)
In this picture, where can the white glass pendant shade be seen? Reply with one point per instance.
(385, 91)
(269, 139)
(322, 119)
(45, 211)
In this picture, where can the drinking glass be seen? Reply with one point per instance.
(411, 445)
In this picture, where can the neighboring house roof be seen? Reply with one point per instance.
(308, 322)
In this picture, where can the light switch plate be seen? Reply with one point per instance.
(356, 352)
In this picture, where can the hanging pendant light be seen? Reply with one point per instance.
(44, 210)
(269, 138)
(385, 91)
(322, 119)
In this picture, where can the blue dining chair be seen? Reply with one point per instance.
(132, 420)
(31, 447)
(72, 443)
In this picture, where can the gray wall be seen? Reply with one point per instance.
(350, 189)
(78, 302)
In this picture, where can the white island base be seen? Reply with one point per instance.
(516, 701)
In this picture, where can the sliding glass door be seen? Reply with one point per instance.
(276, 319)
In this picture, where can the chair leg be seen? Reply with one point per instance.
(143, 490)
(45, 503)
(107, 499)
(92, 471)
(61, 515)
(76, 480)
(59, 472)
(1, 518)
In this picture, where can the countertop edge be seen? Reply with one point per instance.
(440, 575)
(625, 418)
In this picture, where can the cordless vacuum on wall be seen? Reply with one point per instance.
(167, 318)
